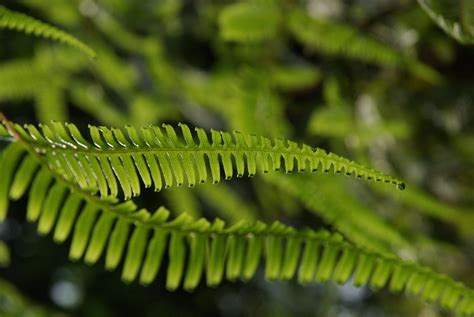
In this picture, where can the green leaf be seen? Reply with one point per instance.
(9, 160)
(135, 252)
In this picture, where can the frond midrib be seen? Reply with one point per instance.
(196, 149)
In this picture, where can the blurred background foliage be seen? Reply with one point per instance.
(376, 81)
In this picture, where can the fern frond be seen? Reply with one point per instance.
(20, 22)
(141, 239)
(159, 157)
(455, 17)
(337, 39)
(249, 22)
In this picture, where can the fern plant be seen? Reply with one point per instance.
(255, 67)
(65, 171)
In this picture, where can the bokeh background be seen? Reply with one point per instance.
(375, 81)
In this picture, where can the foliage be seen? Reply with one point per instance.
(21, 22)
(377, 84)
(211, 246)
(338, 39)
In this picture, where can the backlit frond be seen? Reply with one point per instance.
(142, 241)
(159, 157)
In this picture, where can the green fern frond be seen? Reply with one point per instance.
(140, 240)
(159, 157)
(21, 22)
(337, 39)
(249, 22)
(455, 17)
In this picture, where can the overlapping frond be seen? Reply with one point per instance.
(159, 157)
(21, 22)
(141, 240)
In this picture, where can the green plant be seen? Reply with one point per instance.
(65, 171)
(285, 70)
